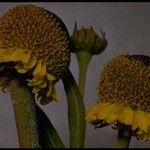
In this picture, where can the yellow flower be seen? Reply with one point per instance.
(124, 95)
(35, 47)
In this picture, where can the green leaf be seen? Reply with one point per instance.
(49, 137)
(76, 111)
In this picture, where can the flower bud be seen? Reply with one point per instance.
(86, 39)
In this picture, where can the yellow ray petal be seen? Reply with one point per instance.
(31, 63)
(97, 112)
(101, 114)
(140, 121)
(37, 69)
(92, 117)
(34, 82)
(50, 77)
(15, 55)
(148, 118)
(126, 116)
(40, 70)
(113, 112)
(52, 92)
(24, 68)
(23, 56)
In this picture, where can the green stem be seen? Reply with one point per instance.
(76, 111)
(25, 115)
(83, 60)
(49, 137)
(124, 137)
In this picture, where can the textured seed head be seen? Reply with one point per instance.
(126, 79)
(86, 39)
(39, 31)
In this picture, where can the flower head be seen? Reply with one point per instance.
(86, 39)
(35, 46)
(124, 93)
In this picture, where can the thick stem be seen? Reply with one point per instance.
(83, 60)
(25, 115)
(76, 111)
(49, 137)
(124, 137)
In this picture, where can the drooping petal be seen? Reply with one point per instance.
(25, 62)
(126, 116)
(113, 112)
(140, 121)
(24, 68)
(110, 113)
(52, 92)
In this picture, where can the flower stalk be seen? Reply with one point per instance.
(124, 137)
(76, 111)
(83, 58)
(86, 43)
(25, 115)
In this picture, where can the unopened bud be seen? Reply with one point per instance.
(86, 39)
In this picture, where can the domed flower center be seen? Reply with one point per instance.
(38, 31)
(126, 79)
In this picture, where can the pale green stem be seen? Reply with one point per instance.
(124, 137)
(83, 61)
(25, 115)
(76, 111)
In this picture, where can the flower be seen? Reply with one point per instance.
(124, 95)
(86, 39)
(35, 47)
